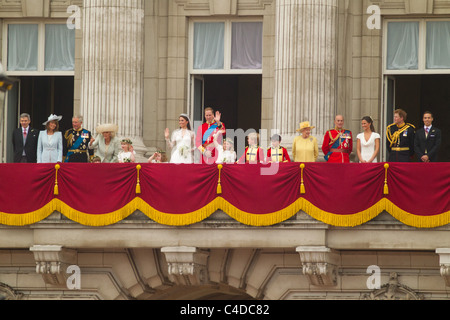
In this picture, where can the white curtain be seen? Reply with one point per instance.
(438, 45)
(246, 45)
(209, 45)
(22, 47)
(59, 48)
(403, 46)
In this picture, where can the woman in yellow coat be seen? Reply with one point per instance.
(305, 147)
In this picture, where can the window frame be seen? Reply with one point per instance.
(227, 47)
(422, 51)
(41, 48)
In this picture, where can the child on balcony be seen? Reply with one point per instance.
(127, 154)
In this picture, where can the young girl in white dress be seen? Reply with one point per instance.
(182, 142)
(368, 142)
(127, 154)
(226, 153)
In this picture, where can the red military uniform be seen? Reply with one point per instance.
(337, 146)
(278, 154)
(252, 155)
(205, 140)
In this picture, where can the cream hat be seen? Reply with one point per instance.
(53, 117)
(305, 125)
(107, 127)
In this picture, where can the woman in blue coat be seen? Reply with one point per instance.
(50, 142)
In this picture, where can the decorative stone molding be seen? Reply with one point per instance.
(52, 263)
(444, 262)
(36, 8)
(223, 7)
(187, 265)
(320, 264)
(8, 293)
(393, 290)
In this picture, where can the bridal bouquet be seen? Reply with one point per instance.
(184, 151)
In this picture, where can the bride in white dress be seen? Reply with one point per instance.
(182, 142)
(368, 142)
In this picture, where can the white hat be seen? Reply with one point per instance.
(53, 117)
(107, 127)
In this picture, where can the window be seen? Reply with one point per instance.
(226, 47)
(39, 48)
(417, 46)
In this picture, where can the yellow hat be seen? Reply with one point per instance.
(305, 125)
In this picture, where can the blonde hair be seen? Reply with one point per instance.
(254, 136)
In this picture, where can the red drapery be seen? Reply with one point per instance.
(343, 195)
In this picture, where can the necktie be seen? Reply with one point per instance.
(24, 133)
(427, 131)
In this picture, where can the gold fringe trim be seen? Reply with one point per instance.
(178, 219)
(20, 220)
(260, 220)
(97, 220)
(338, 220)
(417, 221)
(250, 219)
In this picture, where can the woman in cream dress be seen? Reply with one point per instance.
(50, 142)
(368, 142)
(305, 147)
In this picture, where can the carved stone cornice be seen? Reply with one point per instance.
(8, 293)
(444, 262)
(223, 7)
(320, 265)
(52, 263)
(187, 265)
(393, 290)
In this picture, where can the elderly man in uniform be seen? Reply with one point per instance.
(76, 145)
(400, 138)
(338, 143)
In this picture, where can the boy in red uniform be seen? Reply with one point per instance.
(253, 153)
(277, 153)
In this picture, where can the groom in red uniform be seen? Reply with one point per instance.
(205, 136)
(338, 143)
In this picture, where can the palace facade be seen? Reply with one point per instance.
(265, 65)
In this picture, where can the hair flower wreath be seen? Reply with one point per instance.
(126, 141)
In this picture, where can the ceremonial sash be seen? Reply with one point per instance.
(76, 145)
(209, 132)
(335, 143)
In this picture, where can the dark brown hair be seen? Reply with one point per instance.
(369, 121)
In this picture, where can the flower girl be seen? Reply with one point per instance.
(127, 154)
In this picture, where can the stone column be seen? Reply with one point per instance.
(306, 66)
(112, 67)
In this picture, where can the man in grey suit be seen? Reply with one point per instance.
(427, 140)
(25, 141)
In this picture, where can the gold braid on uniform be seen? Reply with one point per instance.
(69, 137)
(393, 137)
(332, 141)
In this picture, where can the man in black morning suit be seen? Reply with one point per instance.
(25, 141)
(427, 140)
